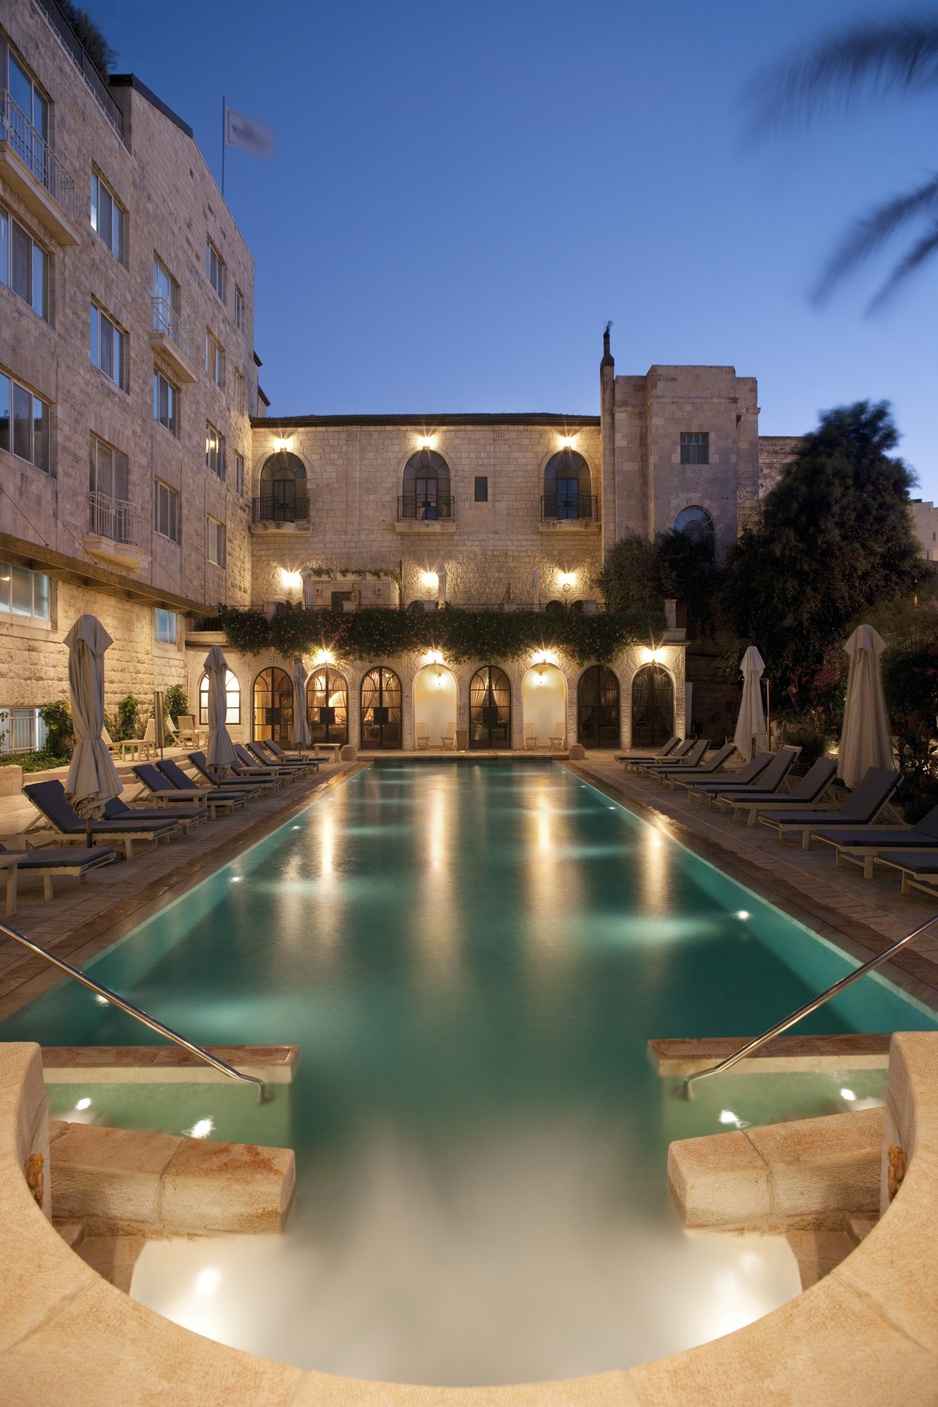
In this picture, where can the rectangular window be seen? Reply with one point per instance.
(166, 402)
(239, 474)
(107, 216)
(108, 507)
(108, 347)
(214, 359)
(166, 511)
(24, 593)
(216, 542)
(28, 121)
(24, 423)
(239, 309)
(695, 448)
(164, 626)
(214, 451)
(482, 488)
(215, 269)
(24, 264)
(165, 301)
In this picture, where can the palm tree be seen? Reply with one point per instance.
(872, 58)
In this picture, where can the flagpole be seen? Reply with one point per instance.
(223, 146)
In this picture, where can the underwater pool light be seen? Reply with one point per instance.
(847, 1094)
(84, 1103)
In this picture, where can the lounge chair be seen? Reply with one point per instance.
(555, 741)
(859, 846)
(767, 777)
(703, 769)
(917, 871)
(448, 740)
(530, 737)
(241, 786)
(49, 798)
(862, 807)
(214, 795)
(270, 775)
(687, 755)
(421, 737)
(285, 765)
(278, 755)
(166, 793)
(48, 863)
(703, 773)
(117, 810)
(669, 750)
(811, 787)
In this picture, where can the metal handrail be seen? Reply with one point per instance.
(135, 1011)
(684, 1090)
(36, 154)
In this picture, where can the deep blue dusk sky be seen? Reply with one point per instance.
(462, 195)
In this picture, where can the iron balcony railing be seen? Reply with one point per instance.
(115, 518)
(411, 509)
(35, 153)
(166, 321)
(271, 509)
(21, 730)
(558, 508)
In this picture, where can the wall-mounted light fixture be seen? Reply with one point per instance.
(325, 657)
(426, 441)
(652, 655)
(567, 441)
(291, 580)
(430, 580)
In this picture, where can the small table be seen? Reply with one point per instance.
(333, 748)
(9, 863)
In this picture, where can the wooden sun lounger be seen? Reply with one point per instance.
(859, 847)
(670, 749)
(767, 777)
(918, 871)
(47, 863)
(810, 788)
(692, 756)
(49, 798)
(700, 772)
(860, 809)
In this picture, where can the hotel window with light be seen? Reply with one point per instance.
(107, 216)
(164, 626)
(108, 347)
(215, 269)
(24, 423)
(24, 265)
(166, 511)
(24, 594)
(214, 450)
(216, 542)
(695, 447)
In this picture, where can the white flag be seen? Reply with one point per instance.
(244, 132)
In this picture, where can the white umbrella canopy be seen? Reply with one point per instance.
(441, 574)
(306, 572)
(865, 738)
(92, 778)
(300, 735)
(220, 751)
(750, 735)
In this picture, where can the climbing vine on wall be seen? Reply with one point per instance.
(375, 633)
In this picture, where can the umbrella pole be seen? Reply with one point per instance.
(89, 833)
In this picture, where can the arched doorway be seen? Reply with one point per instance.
(381, 710)
(232, 698)
(597, 713)
(652, 706)
(327, 705)
(273, 705)
(282, 485)
(490, 708)
(568, 487)
(425, 494)
(434, 707)
(544, 707)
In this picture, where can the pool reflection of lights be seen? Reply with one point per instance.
(200, 1129)
(728, 1117)
(743, 914)
(84, 1103)
(207, 1281)
(102, 1001)
(236, 878)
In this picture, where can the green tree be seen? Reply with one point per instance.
(689, 574)
(835, 539)
(868, 58)
(632, 584)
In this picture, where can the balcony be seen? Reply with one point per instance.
(565, 513)
(173, 342)
(116, 530)
(281, 512)
(29, 167)
(424, 515)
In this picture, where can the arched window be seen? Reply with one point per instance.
(381, 710)
(327, 705)
(695, 523)
(233, 693)
(425, 494)
(652, 706)
(490, 708)
(568, 487)
(598, 707)
(283, 497)
(273, 705)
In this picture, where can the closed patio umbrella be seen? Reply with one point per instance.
(92, 778)
(865, 739)
(306, 572)
(220, 752)
(300, 735)
(750, 735)
(440, 570)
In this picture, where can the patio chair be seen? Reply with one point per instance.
(117, 810)
(271, 776)
(668, 750)
(555, 741)
(48, 863)
(750, 772)
(917, 871)
(862, 807)
(421, 737)
(293, 767)
(811, 787)
(767, 778)
(530, 737)
(701, 772)
(240, 786)
(113, 748)
(49, 798)
(448, 740)
(187, 733)
(687, 755)
(214, 795)
(295, 758)
(859, 846)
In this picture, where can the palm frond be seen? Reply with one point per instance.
(869, 235)
(875, 57)
(920, 251)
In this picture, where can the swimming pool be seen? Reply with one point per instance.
(472, 958)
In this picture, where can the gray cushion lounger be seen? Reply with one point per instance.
(241, 786)
(861, 808)
(811, 787)
(279, 755)
(767, 777)
(49, 863)
(295, 765)
(117, 810)
(668, 750)
(858, 847)
(196, 798)
(223, 795)
(741, 777)
(693, 753)
(701, 771)
(249, 765)
(917, 871)
(49, 798)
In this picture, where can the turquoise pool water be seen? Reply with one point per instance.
(473, 958)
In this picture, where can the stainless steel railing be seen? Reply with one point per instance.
(115, 518)
(35, 153)
(685, 1090)
(131, 1010)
